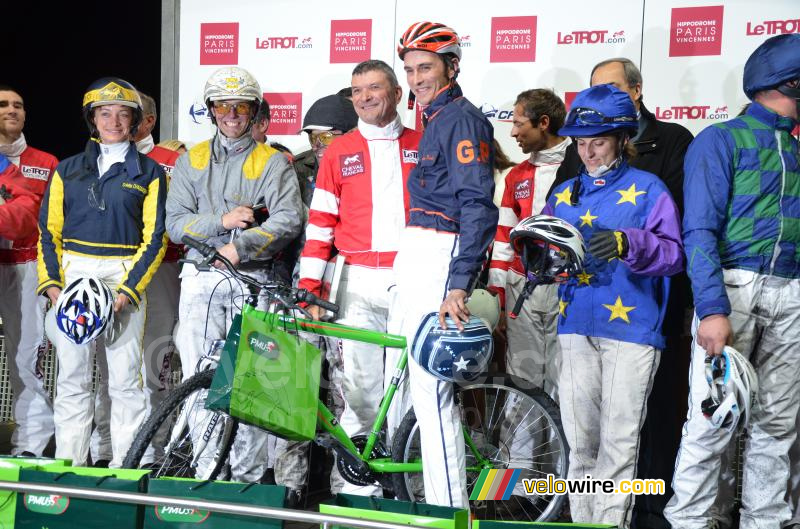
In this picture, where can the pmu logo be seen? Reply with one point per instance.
(199, 112)
(465, 41)
(491, 112)
(774, 27)
(695, 31)
(219, 43)
(692, 112)
(591, 37)
(282, 43)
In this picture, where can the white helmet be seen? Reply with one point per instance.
(552, 249)
(232, 82)
(84, 310)
(485, 306)
(732, 390)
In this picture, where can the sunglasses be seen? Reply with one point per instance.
(324, 138)
(222, 108)
(590, 116)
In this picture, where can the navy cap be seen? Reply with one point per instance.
(332, 112)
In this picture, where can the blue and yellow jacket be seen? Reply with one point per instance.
(451, 188)
(124, 218)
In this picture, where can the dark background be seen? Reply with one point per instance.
(52, 52)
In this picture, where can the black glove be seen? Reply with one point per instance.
(606, 245)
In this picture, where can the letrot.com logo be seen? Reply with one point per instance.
(695, 31)
(774, 27)
(598, 36)
(219, 43)
(351, 40)
(692, 112)
(267, 43)
(513, 39)
(465, 41)
(285, 109)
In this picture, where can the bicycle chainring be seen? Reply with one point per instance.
(347, 465)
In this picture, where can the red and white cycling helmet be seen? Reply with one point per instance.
(551, 248)
(429, 36)
(732, 390)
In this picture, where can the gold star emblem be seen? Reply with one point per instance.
(629, 195)
(564, 197)
(618, 310)
(583, 278)
(562, 308)
(587, 219)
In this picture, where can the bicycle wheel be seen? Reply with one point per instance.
(511, 427)
(191, 424)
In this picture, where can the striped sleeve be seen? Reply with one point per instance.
(51, 222)
(323, 216)
(154, 240)
(502, 252)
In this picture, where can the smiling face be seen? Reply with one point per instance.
(594, 152)
(113, 123)
(426, 74)
(232, 116)
(12, 116)
(374, 98)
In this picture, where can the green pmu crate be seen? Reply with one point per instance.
(164, 517)
(490, 524)
(403, 512)
(35, 511)
(10, 468)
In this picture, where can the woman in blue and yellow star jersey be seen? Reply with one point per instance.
(102, 216)
(610, 315)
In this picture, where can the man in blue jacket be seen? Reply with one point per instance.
(451, 224)
(742, 238)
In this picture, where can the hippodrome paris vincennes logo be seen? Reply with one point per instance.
(513, 39)
(219, 43)
(286, 110)
(695, 31)
(351, 40)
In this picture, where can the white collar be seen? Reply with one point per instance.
(552, 155)
(14, 150)
(145, 145)
(391, 131)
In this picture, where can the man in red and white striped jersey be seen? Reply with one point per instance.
(532, 342)
(360, 206)
(21, 310)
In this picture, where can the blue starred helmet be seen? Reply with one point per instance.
(450, 355)
(599, 110)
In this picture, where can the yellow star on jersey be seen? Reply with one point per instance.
(562, 308)
(564, 197)
(629, 195)
(587, 219)
(618, 310)
(583, 278)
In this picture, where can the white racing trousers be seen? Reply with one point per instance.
(604, 388)
(364, 302)
(208, 303)
(74, 403)
(22, 312)
(765, 318)
(163, 294)
(422, 269)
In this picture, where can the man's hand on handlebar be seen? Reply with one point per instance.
(228, 252)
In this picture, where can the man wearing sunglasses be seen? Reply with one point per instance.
(213, 191)
(327, 119)
(742, 237)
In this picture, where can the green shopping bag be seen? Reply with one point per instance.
(394, 511)
(9, 471)
(35, 511)
(269, 378)
(165, 517)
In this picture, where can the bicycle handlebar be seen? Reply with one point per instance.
(301, 295)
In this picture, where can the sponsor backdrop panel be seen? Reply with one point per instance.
(296, 57)
(694, 53)
(691, 52)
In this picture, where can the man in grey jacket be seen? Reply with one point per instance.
(218, 190)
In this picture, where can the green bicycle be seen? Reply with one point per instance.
(507, 423)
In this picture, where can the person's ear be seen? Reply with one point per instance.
(544, 123)
(453, 70)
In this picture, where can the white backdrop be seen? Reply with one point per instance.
(691, 52)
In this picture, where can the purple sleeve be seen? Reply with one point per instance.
(657, 249)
